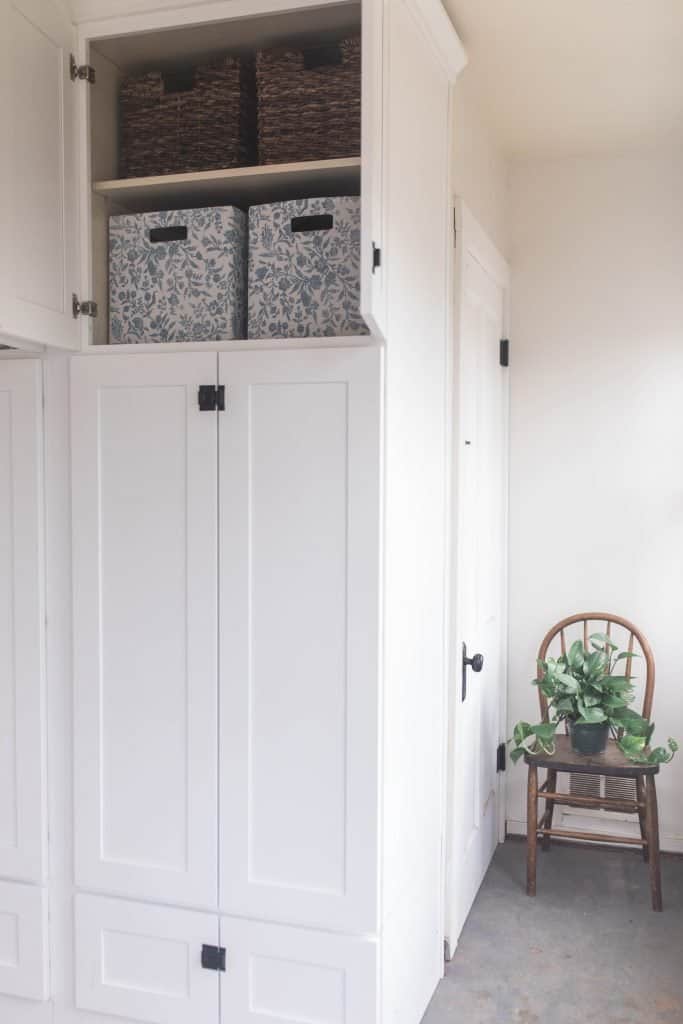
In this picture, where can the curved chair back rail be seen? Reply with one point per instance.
(602, 622)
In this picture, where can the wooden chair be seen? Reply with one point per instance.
(612, 763)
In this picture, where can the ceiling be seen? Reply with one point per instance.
(576, 76)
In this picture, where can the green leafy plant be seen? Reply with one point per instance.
(581, 686)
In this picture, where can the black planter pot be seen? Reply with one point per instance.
(588, 738)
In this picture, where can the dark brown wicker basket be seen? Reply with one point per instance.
(200, 121)
(309, 102)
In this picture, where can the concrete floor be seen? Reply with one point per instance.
(586, 950)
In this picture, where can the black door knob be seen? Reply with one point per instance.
(476, 663)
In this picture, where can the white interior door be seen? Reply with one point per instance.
(23, 827)
(145, 564)
(477, 693)
(299, 557)
(38, 213)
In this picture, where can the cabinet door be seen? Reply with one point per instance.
(372, 292)
(23, 941)
(280, 975)
(299, 523)
(22, 761)
(145, 621)
(144, 963)
(38, 216)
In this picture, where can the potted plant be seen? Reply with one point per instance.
(582, 689)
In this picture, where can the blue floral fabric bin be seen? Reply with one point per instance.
(304, 269)
(177, 276)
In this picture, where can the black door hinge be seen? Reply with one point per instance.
(78, 308)
(213, 958)
(501, 758)
(81, 72)
(504, 352)
(211, 398)
(376, 257)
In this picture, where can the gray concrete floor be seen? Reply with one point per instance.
(586, 950)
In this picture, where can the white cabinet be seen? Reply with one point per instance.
(23, 941)
(144, 963)
(145, 580)
(22, 748)
(38, 198)
(373, 275)
(280, 975)
(299, 638)
(285, 483)
(270, 512)
(258, 592)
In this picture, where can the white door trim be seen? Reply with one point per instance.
(470, 237)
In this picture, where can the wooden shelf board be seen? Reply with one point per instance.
(240, 186)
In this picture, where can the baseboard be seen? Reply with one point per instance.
(668, 843)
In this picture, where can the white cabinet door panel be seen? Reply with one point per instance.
(22, 761)
(145, 608)
(281, 975)
(372, 290)
(37, 164)
(23, 941)
(143, 962)
(299, 524)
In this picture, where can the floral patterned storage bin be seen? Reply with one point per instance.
(304, 269)
(177, 276)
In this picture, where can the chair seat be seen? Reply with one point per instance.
(611, 762)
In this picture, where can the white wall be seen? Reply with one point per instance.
(597, 421)
(479, 169)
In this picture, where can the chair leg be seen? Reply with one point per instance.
(549, 808)
(640, 796)
(652, 828)
(531, 830)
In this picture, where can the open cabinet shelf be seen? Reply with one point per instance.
(172, 52)
(239, 186)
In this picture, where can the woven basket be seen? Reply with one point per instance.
(309, 102)
(200, 121)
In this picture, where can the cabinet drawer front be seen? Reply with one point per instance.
(145, 625)
(144, 962)
(299, 522)
(23, 941)
(281, 975)
(22, 784)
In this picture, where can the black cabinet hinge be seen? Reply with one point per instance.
(211, 398)
(81, 72)
(376, 257)
(213, 958)
(78, 308)
(504, 352)
(501, 758)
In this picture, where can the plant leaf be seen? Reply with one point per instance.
(545, 731)
(593, 716)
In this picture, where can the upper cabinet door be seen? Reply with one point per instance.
(145, 626)
(372, 294)
(38, 213)
(22, 785)
(299, 557)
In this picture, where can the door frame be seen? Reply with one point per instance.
(468, 236)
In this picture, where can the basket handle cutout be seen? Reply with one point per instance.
(178, 81)
(313, 222)
(174, 233)
(322, 56)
